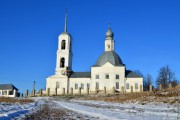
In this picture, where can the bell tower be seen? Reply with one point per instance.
(64, 52)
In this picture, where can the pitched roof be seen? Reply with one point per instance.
(131, 74)
(80, 75)
(7, 87)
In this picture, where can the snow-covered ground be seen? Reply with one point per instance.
(12, 110)
(116, 111)
(88, 109)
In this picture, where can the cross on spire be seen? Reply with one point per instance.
(109, 25)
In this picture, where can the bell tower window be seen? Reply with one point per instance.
(62, 63)
(108, 46)
(63, 45)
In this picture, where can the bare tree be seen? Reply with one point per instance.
(147, 82)
(165, 77)
(174, 83)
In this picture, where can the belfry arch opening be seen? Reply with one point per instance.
(62, 62)
(63, 45)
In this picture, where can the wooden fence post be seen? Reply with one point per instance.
(27, 93)
(104, 90)
(150, 88)
(95, 90)
(56, 91)
(71, 92)
(141, 88)
(40, 92)
(48, 91)
(122, 90)
(160, 87)
(33, 93)
(87, 91)
(63, 92)
(113, 90)
(131, 89)
(79, 91)
(170, 86)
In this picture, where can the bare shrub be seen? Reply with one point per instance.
(15, 100)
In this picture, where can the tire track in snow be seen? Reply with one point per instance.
(98, 113)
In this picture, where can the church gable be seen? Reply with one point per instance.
(108, 64)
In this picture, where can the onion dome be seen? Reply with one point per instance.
(109, 33)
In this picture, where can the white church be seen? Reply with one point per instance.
(108, 72)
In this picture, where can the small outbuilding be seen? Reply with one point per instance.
(8, 90)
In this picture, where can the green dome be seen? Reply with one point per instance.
(111, 57)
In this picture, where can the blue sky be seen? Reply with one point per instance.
(147, 36)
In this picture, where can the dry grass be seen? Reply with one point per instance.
(166, 96)
(15, 100)
(116, 98)
(177, 87)
(143, 98)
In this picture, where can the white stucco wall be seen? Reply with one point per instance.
(111, 82)
(64, 82)
(65, 53)
(79, 81)
(7, 93)
(51, 83)
(132, 82)
(110, 43)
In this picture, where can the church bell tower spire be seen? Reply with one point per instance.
(66, 18)
(64, 52)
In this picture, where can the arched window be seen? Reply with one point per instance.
(57, 85)
(63, 44)
(136, 85)
(62, 62)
